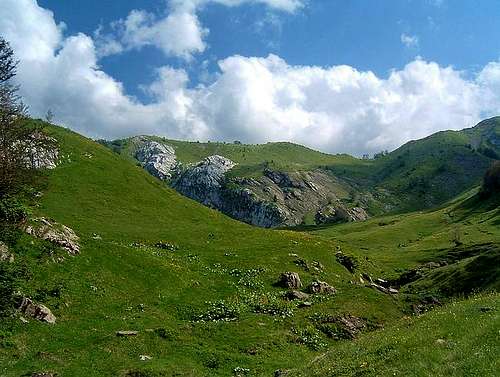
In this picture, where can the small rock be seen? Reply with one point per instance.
(44, 374)
(37, 311)
(296, 295)
(145, 357)
(5, 254)
(126, 333)
(321, 287)
(305, 304)
(440, 342)
(290, 280)
(280, 372)
(23, 320)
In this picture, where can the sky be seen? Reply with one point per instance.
(341, 76)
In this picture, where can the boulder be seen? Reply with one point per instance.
(296, 295)
(123, 333)
(157, 158)
(321, 287)
(290, 280)
(37, 311)
(56, 233)
(5, 254)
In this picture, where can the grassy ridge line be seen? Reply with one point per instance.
(460, 339)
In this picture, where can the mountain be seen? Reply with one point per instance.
(284, 184)
(161, 285)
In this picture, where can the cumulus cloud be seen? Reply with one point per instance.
(254, 99)
(409, 40)
(178, 34)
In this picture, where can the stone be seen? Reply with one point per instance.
(156, 158)
(37, 311)
(5, 254)
(290, 280)
(321, 287)
(44, 374)
(339, 213)
(305, 304)
(296, 295)
(280, 372)
(440, 342)
(145, 357)
(123, 333)
(54, 232)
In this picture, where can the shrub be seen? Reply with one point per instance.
(491, 180)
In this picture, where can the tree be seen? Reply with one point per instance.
(491, 180)
(21, 144)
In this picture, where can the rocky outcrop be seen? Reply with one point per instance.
(54, 232)
(5, 254)
(290, 280)
(157, 158)
(37, 311)
(321, 287)
(205, 181)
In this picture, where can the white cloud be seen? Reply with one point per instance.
(335, 109)
(409, 41)
(179, 33)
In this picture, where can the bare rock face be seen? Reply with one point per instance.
(321, 287)
(5, 254)
(290, 280)
(37, 311)
(204, 181)
(157, 158)
(56, 233)
(39, 156)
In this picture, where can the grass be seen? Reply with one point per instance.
(210, 306)
(461, 339)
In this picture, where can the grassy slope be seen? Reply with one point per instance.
(95, 191)
(415, 347)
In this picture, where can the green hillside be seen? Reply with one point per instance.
(200, 288)
(420, 174)
(459, 340)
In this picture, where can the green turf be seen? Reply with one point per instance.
(123, 282)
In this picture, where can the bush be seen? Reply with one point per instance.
(12, 210)
(491, 181)
(10, 277)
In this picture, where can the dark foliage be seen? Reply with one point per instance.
(491, 181)
(20, 144)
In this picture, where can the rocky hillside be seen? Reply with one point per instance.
(283, 184)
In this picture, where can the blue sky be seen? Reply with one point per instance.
(341, 76)
(360, 33)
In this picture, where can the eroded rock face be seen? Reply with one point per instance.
(157, 158)
(56, 233)
(37, 311)
(290, 280)
(5, 254)
(204, 181)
